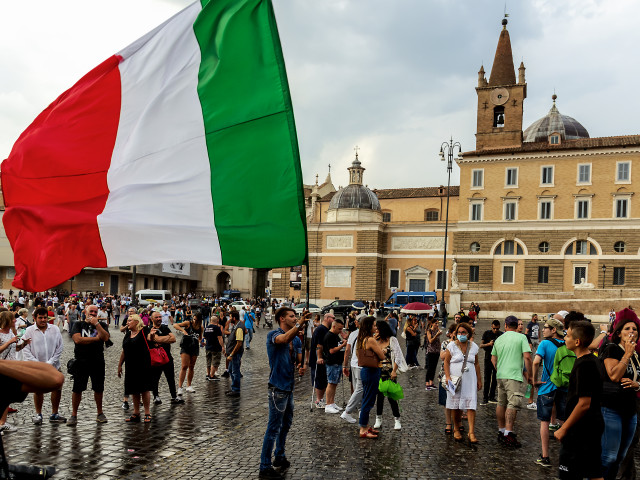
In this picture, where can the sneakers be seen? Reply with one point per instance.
(8, 428)
(231, 393)
(177, 401)
(180, 392)
(348, 417)
(73, 421)
(269, 473)
(102, 418)
(331, 409)
(319, 404)
(281, 463)
(428, 388)
(544, 461)
(378, 423)
(125, 405)
(216, 377)
(225, 374)
(511, 440)
(398, 425)
(484, 402)
(532, 406)
(554, 426)
(56, 418)
(37, 419)
(493, 400)
(157, 400)
(190, 389)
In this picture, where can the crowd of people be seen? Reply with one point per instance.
(583, 384)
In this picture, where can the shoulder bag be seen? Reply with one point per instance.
(457, 379)
(158, 355)
(367, 357)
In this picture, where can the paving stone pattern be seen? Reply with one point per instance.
(213, 436)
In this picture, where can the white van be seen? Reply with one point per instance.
(145, 297)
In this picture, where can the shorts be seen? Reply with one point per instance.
(89, 369)
(510, 393)
(319, 377)
(307, 344)
(213, 359)
(334, 372)
(545, 405)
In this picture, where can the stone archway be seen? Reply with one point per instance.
(223, 282)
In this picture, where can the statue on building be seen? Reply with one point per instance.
(454, 274)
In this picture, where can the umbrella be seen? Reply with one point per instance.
(416, 308)
(358, 305)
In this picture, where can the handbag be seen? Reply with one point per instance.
(367, 358)
(456, 379)
(158, 355)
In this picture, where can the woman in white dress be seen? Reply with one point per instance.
(466, 396)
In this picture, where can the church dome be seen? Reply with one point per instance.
(554, 122)
(355, 196)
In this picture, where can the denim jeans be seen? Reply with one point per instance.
(249, 337)
(370, 379)
(617, 436)
(234, 371)
(356, 396)
(280, 419)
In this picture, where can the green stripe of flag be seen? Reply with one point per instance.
(256, 181)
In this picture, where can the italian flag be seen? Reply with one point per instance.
(181, 147)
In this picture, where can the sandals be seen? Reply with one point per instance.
(135, 418)
(472, 439)
(373, 430)
(447, 429)
(457, 436)
(368, 434)
(147, 418)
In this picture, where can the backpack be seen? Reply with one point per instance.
(562, 366)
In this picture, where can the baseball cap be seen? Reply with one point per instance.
(557, 324)
(511, 321)
(563, 313)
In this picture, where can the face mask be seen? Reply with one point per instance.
(462, 338)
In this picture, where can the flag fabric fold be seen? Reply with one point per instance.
(181, 147)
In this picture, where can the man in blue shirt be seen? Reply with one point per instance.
(284, 349)
(548, 394)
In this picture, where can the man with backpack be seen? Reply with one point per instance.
(549, 394)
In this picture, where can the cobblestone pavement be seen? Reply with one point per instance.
(213, 436)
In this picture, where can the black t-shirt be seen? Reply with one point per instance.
(622, 400)
(211, 334)
(586, 381)
(332, 340)
(88, 351)
(11, 392)
(161, 331)
(317, 339)
(486, 338)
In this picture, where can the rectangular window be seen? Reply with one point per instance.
(512, 177)
(478, 179)
(431, 215)
(584, 173)
(546, 176)
(618, 275)
(508, 247)
(579, 273)
(581, 247)
(545, 210)
(623, 172)
(510, 211)
(622, 207)
(582, 209)
(474, 273)
(394, 278)
(417, 285)
(543, 274)
(441, 279)
(507, 273)
(386, 216)
(554, 140)
(476, 212)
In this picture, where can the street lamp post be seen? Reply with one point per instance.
(604, 271)
(447, 150)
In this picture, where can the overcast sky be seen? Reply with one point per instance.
(396, 78)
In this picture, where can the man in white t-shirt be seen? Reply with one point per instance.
(166, 315)
(350, 358)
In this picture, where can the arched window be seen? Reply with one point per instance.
(509, 247)
(581, 247)
(498, 117)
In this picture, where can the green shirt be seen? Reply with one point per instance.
(509, 348)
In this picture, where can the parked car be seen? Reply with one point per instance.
(240, 304)
(339, 307)
(195, 303)
(312, 308)
(399, 299)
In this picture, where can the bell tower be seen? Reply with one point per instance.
(500, 100)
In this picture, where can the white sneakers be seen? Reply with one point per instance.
(346, 416)
(532, 406)
(378, 423)
(333, 408)
(398, 425)
(190, 389)
(180, 391)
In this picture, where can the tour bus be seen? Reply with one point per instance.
(145, 297)
(399, 299)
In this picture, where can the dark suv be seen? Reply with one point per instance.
(339, 307)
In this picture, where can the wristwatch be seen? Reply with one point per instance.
(298, 326)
